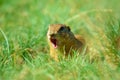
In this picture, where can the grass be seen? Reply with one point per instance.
(24, 52)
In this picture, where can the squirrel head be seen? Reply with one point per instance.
(58, 34)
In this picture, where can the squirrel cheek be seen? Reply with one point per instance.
(67, 35)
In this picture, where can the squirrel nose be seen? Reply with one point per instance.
(52, 35)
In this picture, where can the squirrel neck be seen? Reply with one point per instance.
(72, 43)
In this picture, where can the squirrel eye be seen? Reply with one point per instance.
(61, 29)
(68, 28)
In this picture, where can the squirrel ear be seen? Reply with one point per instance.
(68, 28)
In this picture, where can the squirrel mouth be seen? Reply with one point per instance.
(54, 42)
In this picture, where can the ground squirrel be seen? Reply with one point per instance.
(62, 40)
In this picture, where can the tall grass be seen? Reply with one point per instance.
(24, 52)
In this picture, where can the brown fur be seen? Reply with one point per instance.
(67, 42)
